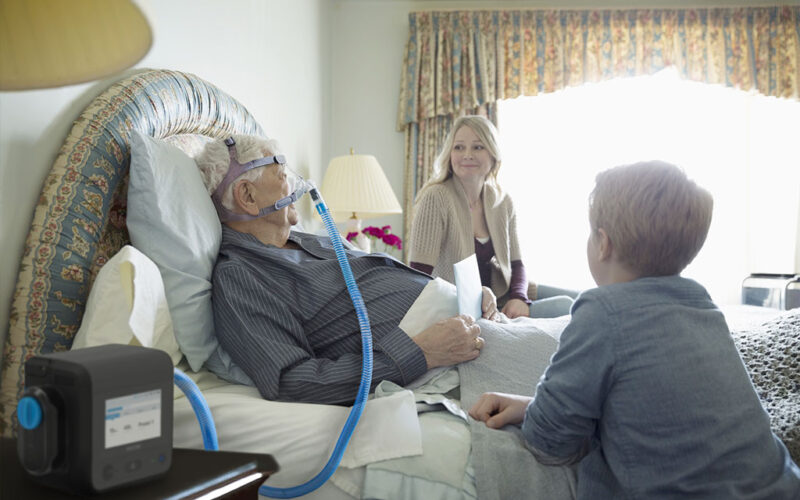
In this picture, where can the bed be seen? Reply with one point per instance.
(410, 441)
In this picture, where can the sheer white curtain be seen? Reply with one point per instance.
(742, 147)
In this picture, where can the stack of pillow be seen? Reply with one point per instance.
(173, 227)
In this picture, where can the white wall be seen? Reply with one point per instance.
(369, 42)
(272, 56)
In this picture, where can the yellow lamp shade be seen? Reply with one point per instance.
(49, 43)
(356, 184)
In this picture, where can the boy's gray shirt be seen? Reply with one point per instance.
(648, 373)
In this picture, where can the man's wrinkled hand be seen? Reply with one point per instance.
(450, 341)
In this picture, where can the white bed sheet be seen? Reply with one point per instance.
(300, 436)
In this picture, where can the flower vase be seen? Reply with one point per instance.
(361, 241)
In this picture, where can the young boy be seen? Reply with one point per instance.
(647, 389)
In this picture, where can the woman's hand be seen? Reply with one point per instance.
(515, 308)
(498, 409)
(489, 305)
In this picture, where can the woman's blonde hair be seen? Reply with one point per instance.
(214, 162)
(486, 132)
(656, 217)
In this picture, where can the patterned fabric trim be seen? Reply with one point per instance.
(79, 221)
(458, 60)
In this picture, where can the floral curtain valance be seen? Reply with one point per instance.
(459, 60)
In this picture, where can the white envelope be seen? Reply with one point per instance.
(468, 286)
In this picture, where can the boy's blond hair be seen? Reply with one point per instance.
(656, 217)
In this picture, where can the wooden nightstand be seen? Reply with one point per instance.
(194, 473)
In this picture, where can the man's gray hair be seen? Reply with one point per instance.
(214, 161)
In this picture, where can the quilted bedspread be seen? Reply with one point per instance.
(771, 352)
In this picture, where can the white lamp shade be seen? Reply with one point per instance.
(48, 43)
(356, 184)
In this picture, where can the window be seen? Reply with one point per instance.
(742, 147)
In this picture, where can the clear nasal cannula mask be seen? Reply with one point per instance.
(297, 188)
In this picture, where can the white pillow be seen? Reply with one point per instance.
(127, 306)
(172, 220)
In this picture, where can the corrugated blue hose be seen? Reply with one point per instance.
(204, 414)
(200, 407)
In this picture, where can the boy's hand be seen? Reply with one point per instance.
(515, 308)
(498, 409)
(489, 305)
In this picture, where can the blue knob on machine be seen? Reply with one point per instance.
(29, 413)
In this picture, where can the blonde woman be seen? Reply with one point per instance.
(463, 210)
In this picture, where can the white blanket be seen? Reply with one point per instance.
(301, 436)
(513, 359)
(462, 458)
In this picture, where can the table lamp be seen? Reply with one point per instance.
(47, 44)
(355, 188)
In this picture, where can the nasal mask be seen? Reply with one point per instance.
(297, 185)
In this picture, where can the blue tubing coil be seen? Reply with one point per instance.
(200, 407)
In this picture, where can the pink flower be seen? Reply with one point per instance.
(391, 240)
(351, 236)
(384, 234)
(373, 231)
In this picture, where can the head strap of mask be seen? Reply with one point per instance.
(235, 169)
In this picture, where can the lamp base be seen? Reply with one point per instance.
(361, 241)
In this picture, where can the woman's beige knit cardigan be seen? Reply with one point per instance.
(441, 231)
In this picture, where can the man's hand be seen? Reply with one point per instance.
(515, 308)
(498, 409)
(489, 305)
(450, 341)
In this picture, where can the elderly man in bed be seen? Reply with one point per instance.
(281, 307)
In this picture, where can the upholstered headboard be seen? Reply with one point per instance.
(79, 221)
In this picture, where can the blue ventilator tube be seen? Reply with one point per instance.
(203, 413)
(200, 407)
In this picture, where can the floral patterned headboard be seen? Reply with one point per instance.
(79, 221)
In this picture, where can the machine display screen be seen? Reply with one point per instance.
(133, 418)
